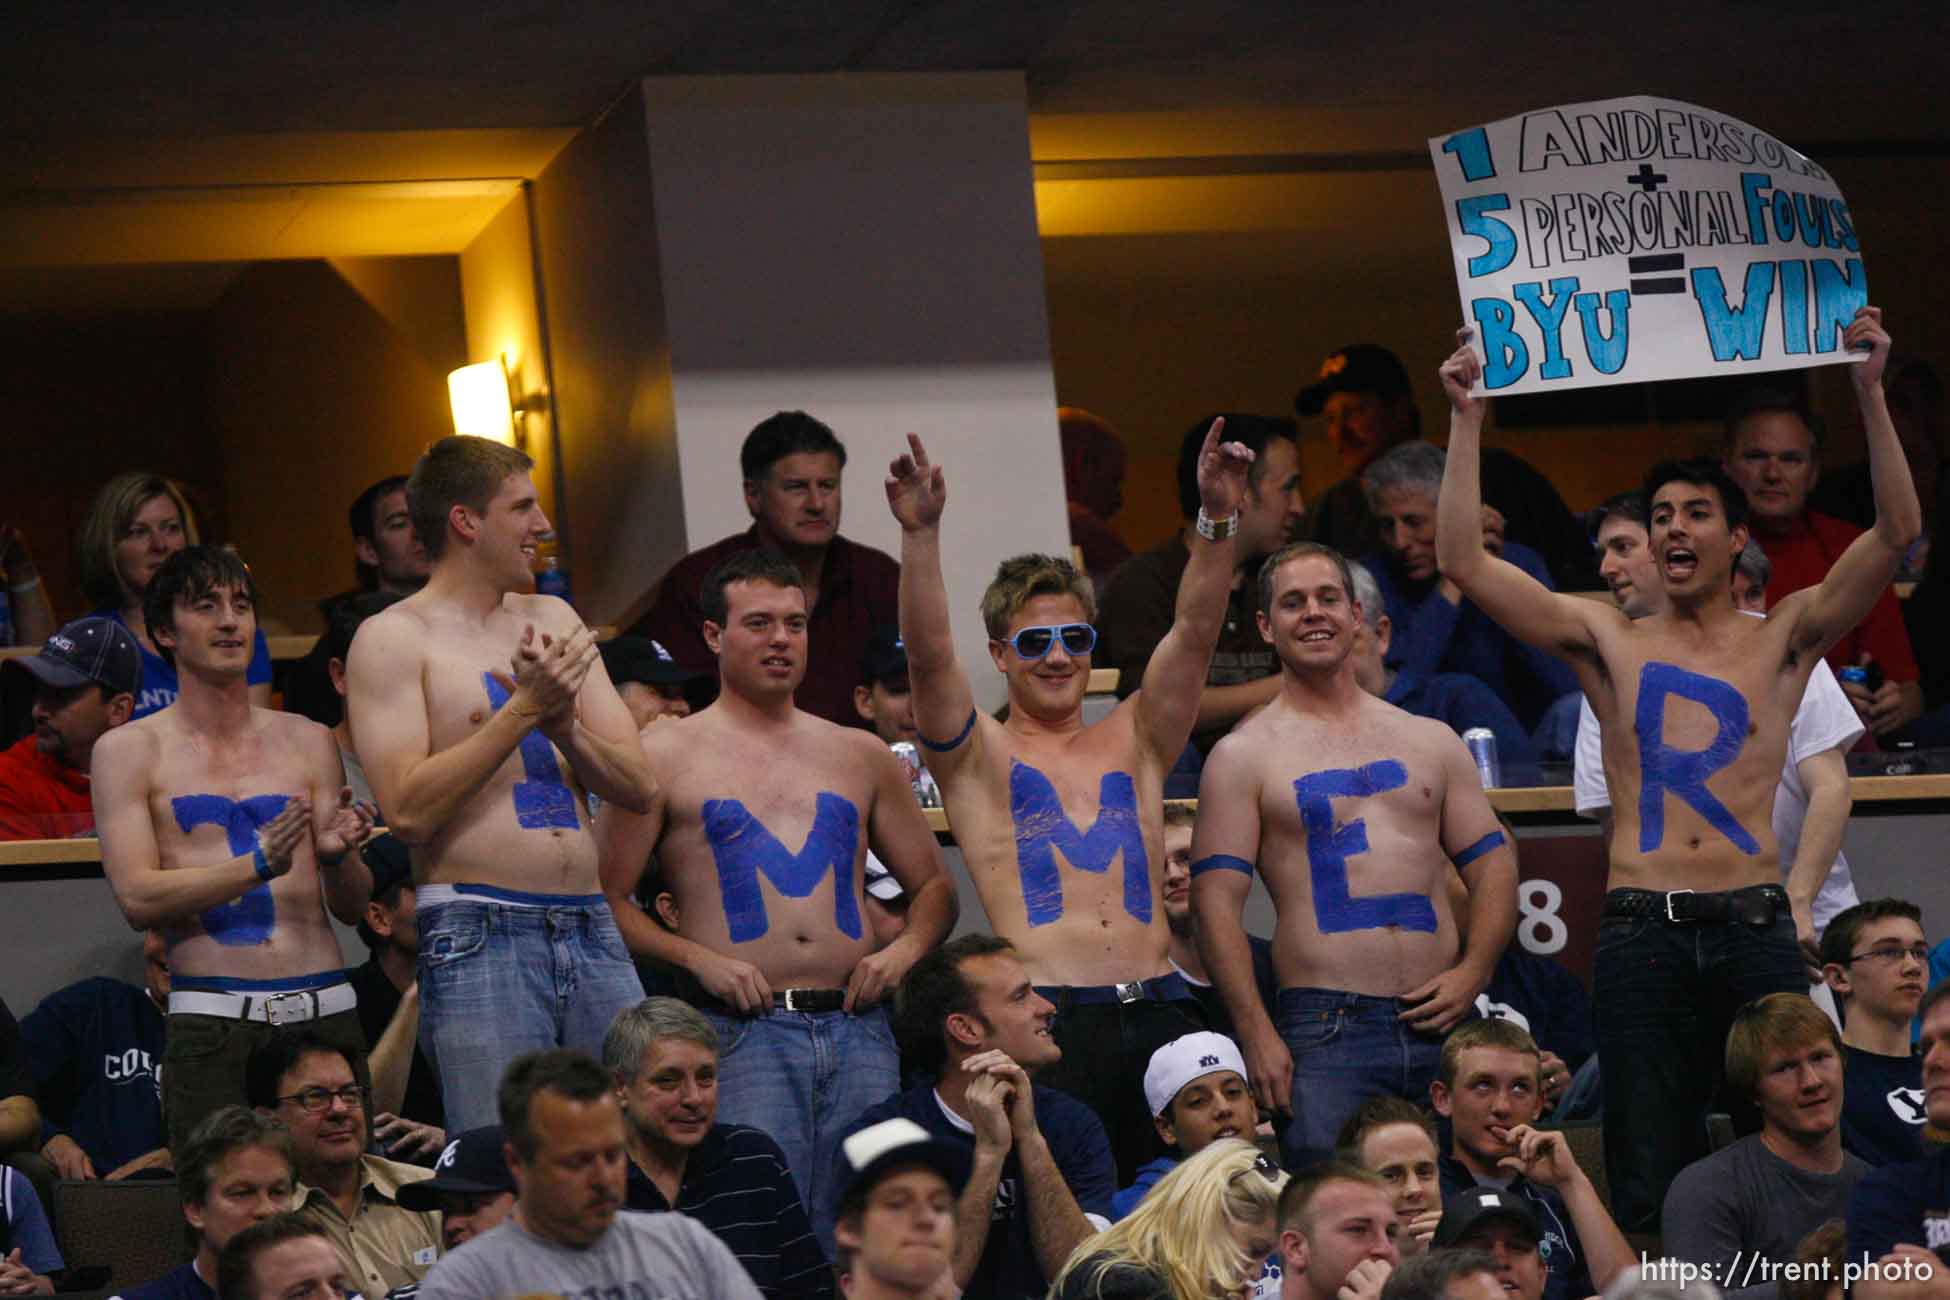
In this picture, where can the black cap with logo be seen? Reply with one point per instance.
(94, 649)
(1356, 368)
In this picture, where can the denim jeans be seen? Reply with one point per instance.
(803, 1078)
(503, 973)
(1663, 998)
(1346, 1048)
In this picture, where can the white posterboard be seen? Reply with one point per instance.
(1634, 239)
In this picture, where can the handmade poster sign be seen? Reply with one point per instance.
(1632, 239)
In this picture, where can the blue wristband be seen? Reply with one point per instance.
(262, 863)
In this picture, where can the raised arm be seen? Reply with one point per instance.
(899, 835)
(1174, 681)
(1520, 604)
(944, 703)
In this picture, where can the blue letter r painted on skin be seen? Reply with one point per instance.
(1682, 772)
(249, 918)
(543, 801)
(1043, 829)
(1336, 910)
(743, 849)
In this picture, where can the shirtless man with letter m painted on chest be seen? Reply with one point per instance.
(1060, 823)
(1695, 703)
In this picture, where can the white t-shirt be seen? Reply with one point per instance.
(1825, 720)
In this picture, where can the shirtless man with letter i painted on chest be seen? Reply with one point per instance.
(483, 716)
(761, 823)
(231, 830)
(1695, 703)
(1352, 811)
(1061, 824)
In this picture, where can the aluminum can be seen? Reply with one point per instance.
(926, 792)
(1481, 742)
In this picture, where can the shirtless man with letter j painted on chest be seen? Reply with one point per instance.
(1695, 703)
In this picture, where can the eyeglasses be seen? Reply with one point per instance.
(319, 1100)
(1890, 956)
(1032, 643)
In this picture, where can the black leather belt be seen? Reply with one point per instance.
(809, 1000)
(1755, 905)
(1170, 987)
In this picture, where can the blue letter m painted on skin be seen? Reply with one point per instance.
(1684, 772)
(1043, 829)
(249, 919)
(1336, 910)
(543, 801)
(743, 848)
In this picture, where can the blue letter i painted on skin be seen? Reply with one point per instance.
(250, 918)
(543, 801)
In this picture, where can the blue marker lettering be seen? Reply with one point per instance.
(1336, 910)
(1549, 316)
(1734, 333)
(1221, 862)
(1794, 305)
(744, 849)
(1043, 829)
(1681, 772)
(250, 918)
(543, 801)
(1841, 290)
(1607, 352)
(1505, 356)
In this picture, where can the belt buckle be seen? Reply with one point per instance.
(792, 999)
(1131, 992)
(289, 1008)
(1670, 895)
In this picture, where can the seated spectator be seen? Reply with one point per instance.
(1752, 571)
(1369, 407)
(94, 1048)
(136, 522)
(792, 465)
(29, 1259)
(1337, 1234)
(1773, 453)
(1435, 629)
(653, 685)
(1141, 599)
(351, 1197)
(1211, 1227)
(1504, 1227)
(235, 1171)
(1094, 462)
(566, 1151)
(894, 1225)
(1760, 1196)
(1461, 701)
(663, 1055)
(1454, 1274)
(1876, 960)
(1185, 958)
(1896, 1216)
(337, 643)
(471, 1189)
(970, 1019)
(85, 680)
(28, 609)
(1396, 1141)
(408, 1120)
(1488, 1088)
(283, 1258)
(1196, 1089)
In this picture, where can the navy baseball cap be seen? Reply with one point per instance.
(1356, 368)
(1464, 1212)
(93, 649)
(885, 655)
(472, 1164)
(640, 659)
(875, 1151)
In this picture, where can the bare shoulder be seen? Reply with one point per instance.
(667, 738)
(295, 729)
(398, 630)
(136, 742)
(549, 614)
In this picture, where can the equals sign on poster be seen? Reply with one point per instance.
(1648, 266)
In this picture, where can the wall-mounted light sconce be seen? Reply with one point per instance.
(485, 403)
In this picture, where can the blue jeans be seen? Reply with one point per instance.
(1346, 1048)
(503, 973)
(803, 1078)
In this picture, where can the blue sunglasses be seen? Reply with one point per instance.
(1032, 643)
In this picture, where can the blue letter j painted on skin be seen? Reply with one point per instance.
(1336, 909)
(1684, 772)
(744, 849)
(543, 800)
(1043, 829)
(248, 919)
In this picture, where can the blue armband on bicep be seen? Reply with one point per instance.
(1491, 841)
(942, 748)
(1221, 862)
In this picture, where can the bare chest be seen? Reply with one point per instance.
(207, 802)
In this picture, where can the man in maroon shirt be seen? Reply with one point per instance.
(86, 677)
(792, 463)
(1772, 452)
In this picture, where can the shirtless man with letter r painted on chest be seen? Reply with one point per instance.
(230, 829)
(1353, 812)
(1695, 703)
(482, 714)
(777, 936)
(1060, 823)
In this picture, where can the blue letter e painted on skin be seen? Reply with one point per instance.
(1683, 772)
(1336, 910)
(250, 918)
(543, 801)
(1043, 829)
(743, 849)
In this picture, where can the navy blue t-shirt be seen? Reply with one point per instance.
(1882, 1106)
(1541, 996)
(1901, 1203)
(94, 1048)
(182, 1283)
(1008, 1268)
(1567, 1273)
(1464, 702)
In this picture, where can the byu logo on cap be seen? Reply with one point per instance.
(1208, 1060)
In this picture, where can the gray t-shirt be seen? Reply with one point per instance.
(1743, 1209)
(641, 1257)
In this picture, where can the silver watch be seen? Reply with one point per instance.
(1217, 530)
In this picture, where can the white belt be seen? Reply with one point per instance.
(272, 1008)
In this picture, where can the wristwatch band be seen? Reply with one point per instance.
(1216, 530)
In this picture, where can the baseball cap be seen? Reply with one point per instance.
(1356, 368)
(873, 1152)
(885, 655)
(641, 659)
(1466, 1211)
(473, 1163)
(92, 649)
(1185, 1058)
